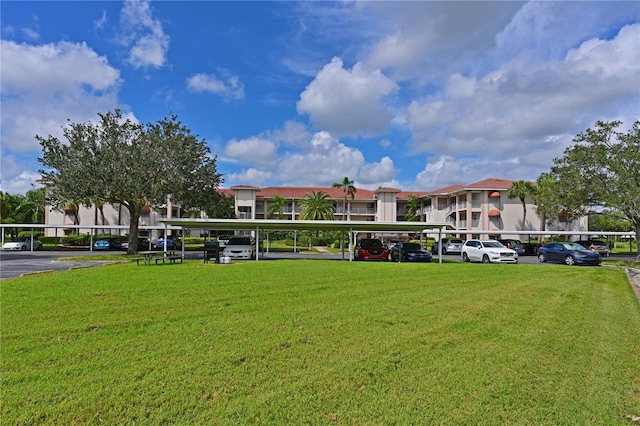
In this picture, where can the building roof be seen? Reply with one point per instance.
(486, 184)
(298, 192)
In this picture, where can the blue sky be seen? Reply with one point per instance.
(415, 95)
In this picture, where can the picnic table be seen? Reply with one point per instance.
(148, 256)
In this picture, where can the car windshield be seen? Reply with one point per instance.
(411, 246)
(239, 241)
(573, 246)
(455, 242)
(370, 242)
(492, 244)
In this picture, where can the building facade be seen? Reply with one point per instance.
(473, 209)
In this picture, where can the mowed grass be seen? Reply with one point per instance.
(321, 342)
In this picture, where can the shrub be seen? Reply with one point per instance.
(27, 234)
(75, 240)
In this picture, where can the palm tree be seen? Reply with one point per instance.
(276, 206)
(521, 189)
(316, 206)
(32, 206)
(413, 204)
(348, 190)
(544, 198)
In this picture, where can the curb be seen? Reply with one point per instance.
(633, 275)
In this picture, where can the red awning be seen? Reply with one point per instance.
(494, 213)
(494, 194)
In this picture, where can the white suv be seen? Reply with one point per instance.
(488, 251)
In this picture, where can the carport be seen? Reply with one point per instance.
(261, 225)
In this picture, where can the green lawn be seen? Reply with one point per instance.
(321, 342)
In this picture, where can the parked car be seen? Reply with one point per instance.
(223, 240)
(409, 252)
(514, 245)
(108, 244)
(239, 248)
(599, 247)
(22, 245)
(171, 244)
(143, 244)
(568, 253)
(488, 251)
(449, 245)
(390, 243)
(531, 249)
(371, 249)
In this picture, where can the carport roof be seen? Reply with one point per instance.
(299, 225)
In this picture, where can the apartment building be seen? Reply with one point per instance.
(478, 207)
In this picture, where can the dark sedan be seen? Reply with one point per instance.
(569, 254)
(410, 252)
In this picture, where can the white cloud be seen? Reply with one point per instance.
(323, 162)
(16, 176)
(99, 23)
(44, 85)
(248, 177)
(430, 39)
(254, 150)
(522, 109)
(546, 30)
(143, 35)
(347, 102)
(232, 88)
(293, 133)
(375, 173)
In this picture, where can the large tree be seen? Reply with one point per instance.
(116, 160)
(602, 169)
(521, 189)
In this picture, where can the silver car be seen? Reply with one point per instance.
(449, 245)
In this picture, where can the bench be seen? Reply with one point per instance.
(171, 258)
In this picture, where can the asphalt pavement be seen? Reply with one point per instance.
(15, 264)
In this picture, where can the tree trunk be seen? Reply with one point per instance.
(524, 212)
(135, 211)
(638, 240)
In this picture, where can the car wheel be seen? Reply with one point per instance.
(23, 248)
(485, 259)
(569, 260)
(38, 248)
(465, 258)
(444, 251)
(541, 258)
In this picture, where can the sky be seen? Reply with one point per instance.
(414, 95)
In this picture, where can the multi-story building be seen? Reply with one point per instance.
(480, 207)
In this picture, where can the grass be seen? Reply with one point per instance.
(321, 342)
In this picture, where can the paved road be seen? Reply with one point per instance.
(14, 264)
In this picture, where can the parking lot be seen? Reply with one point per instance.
(15, 264)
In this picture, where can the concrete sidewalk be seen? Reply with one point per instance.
(634, 279)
